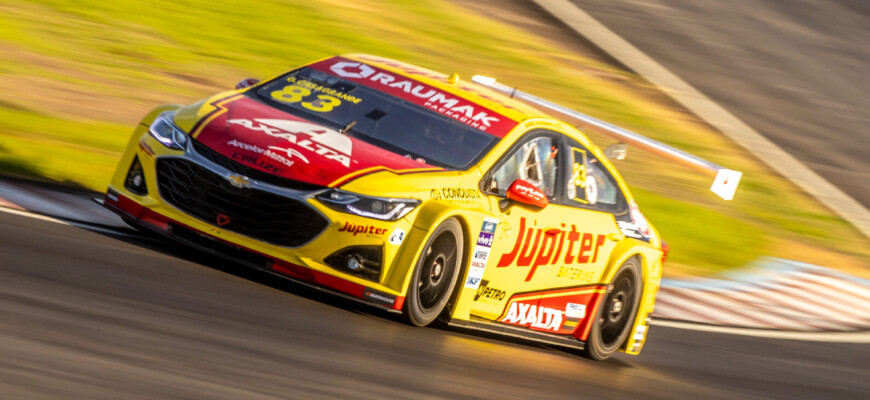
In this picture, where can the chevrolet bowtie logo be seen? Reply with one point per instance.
(239, 181)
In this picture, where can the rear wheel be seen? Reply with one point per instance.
(616, 313)
(435, 274)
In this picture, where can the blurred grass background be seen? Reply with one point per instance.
(76, 76)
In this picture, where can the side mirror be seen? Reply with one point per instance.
(246, 83)
(526, 193)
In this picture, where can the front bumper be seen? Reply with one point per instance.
(188, 197)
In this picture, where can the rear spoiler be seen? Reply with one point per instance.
(724, 184)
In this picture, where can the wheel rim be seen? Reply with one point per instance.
(437, 271)
(617, 309)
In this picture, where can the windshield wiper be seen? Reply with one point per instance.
(347, 127)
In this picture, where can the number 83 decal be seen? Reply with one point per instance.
(296, 93)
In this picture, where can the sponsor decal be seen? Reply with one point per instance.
(316, 139)
(485, 239)
(565, 311)
(480, 254)
(455, 107)
(397, 237)
(536, 247)
(454, 193)
(533, 316)
(574, 310)
(325, 90)
(273, 153)
(635, 225)
(484, 291)
(379, 297)
(575, 274)
(256, 161)
(530, 192)
(370, 230)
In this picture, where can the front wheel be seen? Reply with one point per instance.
(435, 274)
(616, 313)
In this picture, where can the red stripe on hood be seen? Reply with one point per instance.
(270, 140)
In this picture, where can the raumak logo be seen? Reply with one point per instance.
(430, 97)
(317, 139)
(547, 245)
(488, 292)
(357, 229)
(531, 315)
(349, 69)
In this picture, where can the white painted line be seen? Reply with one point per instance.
(93, 228)
(711, 112)
(831, 337)
(32, 215)
(7, 204)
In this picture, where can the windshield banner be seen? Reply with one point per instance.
(444, 103)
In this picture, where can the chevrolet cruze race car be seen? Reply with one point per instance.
(408, 190)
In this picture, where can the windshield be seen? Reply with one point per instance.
(378, 118)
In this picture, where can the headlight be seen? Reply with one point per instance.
(165, 131)
(385, 209)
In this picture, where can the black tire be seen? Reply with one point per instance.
(435, 275)
(617, 312)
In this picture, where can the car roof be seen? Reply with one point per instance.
(488, 98)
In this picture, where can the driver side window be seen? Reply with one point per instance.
(534, 161)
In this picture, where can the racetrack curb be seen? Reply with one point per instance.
(771, 294)
(785, 164)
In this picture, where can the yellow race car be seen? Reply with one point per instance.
(408, 190)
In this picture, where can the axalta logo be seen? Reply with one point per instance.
(321, 141)
(533, 316)
(536, 247)
(430, 97)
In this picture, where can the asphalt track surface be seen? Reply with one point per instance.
(796, 71)
(115, 315)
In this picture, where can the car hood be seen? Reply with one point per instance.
(270, 140)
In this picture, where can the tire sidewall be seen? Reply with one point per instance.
(595, 348)
(413, 312)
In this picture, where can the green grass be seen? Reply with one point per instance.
(76, 76)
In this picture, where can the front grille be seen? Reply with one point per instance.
(252, 173)
(254, 213)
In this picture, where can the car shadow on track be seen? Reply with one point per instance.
(158, 243)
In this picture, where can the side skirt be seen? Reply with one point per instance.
(482, 325)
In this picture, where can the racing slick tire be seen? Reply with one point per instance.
(617, 312)
(435, 275)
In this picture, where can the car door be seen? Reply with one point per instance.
(526, 237)
(592, 201)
